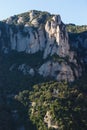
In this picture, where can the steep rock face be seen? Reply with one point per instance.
(60, 71)
(78, 43)
(34, 32)
(50, 37)
(56, 33)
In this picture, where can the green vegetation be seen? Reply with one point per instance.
(42, 17)
(34, 60)
(25, 100)
(76, 28)
(56, 58)
(25, 16)
(14, 81)
(11, 83)
(66, 103)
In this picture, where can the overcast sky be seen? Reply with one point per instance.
(71, 11)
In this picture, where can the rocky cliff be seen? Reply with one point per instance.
(40, 32)
(37, 51)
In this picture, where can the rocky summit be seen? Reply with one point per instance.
(45, 34)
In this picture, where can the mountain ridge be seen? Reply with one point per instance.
(36, 31)
(43, 72)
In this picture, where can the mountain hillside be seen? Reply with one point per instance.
(45, 34)
(43, 70)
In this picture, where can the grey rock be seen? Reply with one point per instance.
(49, 36)
(20, 20)
(48, 120)
(58, 71)
(26, 69)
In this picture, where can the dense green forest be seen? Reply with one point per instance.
(66, 103)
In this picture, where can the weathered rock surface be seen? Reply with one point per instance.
(51, 37)
(37, 31)
(59, 71)
(25, 69)
(48, 120)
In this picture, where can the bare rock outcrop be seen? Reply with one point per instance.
(37, 31)
(48, 120)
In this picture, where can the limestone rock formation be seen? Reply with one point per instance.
(37, 31)
(59, 71)
(51, 37)
(48, 120)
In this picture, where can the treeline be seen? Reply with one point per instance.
(76, 28)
